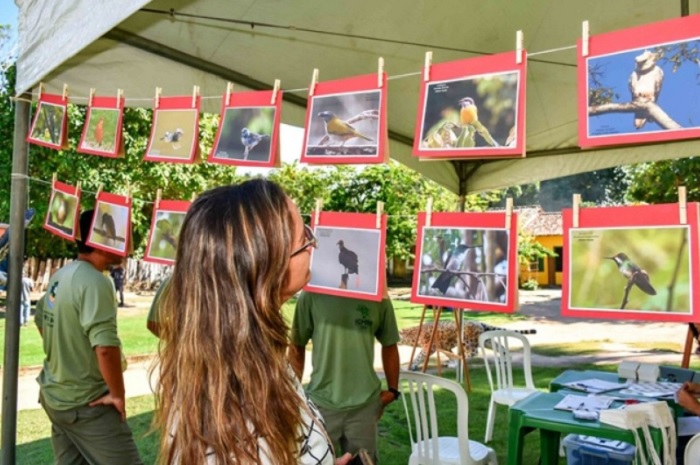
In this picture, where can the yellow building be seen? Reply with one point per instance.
(546, 228)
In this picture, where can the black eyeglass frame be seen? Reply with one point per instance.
(312, 241)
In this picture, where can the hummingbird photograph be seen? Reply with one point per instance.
(644, 269)
(165, 231)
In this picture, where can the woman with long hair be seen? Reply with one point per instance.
(226, 394)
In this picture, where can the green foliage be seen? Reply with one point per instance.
(530, 285)
(658, 182)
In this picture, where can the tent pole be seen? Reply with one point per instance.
(18, 204)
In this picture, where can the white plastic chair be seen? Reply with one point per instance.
(498, 344)
(430, 448)
(692, 451)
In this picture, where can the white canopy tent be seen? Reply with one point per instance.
(137, 45)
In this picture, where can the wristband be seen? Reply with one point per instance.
(396, 393)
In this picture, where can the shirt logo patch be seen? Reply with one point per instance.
(51, 297)
(363, 322)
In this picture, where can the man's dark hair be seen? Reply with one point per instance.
(85, 223)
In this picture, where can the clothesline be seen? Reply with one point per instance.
(301, 89)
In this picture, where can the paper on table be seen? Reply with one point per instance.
(595, 386)
(657, 389)
(688, 426)
(591, 403)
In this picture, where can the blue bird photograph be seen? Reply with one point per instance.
(346, 258)
(643, 269)
(344, 124)
(164, 234)
(110, 226)
(470, 113)
(48, 124)
(246, 134)
(464, 265)
(644, 90)
(174, 135)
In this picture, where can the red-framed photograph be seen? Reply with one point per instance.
(640, 85)
(168, 216)
(111, 225)
(175, 130)
(350, 258)
(467, 260)
(631, 263)
(102, 132)
(62, 214)
(346, 122)
(50, 124)
(473, 108)
(248, 133)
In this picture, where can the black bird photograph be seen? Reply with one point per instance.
(348, 259)
(109, 230)
(454, 262)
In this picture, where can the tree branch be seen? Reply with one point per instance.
(649, 109)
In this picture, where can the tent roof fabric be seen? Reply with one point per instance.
(138, 45)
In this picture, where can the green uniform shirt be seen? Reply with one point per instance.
(153, 311)
(77, 314)
(342, 331)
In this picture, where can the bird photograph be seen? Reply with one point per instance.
(164, 234)
(110, 226)
(346, 258)
(644, 90)
(643, 268)
(245, 133)
(464, 264)
(174, 134)
(48, 124)
(468, 113)
(344, 124)
(62, 212)
(100, 132)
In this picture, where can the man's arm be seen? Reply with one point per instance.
(391, 363)
(296, 355)
(109, 361)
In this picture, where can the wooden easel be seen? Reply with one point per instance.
(437, 312)
(688, 349)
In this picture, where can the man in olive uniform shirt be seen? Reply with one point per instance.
(81, 382)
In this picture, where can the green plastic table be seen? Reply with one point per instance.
(537, 412)
(570, 376)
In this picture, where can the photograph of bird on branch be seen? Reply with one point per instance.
(174, 135)
(641, 84)
(463, 266)
(246, 134)
(111, 224)
(470, 113)
(344, 125)
(101, 130)
(63, 211)
(639, 269)
(348, 260)
(48, 126)
(165, 231)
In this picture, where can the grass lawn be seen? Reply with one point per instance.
(34, 444)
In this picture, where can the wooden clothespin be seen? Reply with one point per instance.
(54, 178)
(99, 190)
(128, 193)
(509, 211)
(78, 186)
(275, 91)
(682, 205)
(195, 94)
(380, 211)
(428, 64)
(314, 81)
(429, 212)
(229, 90)
(159, 90)
(92, 96)
(585, 38)
(159, 192)
(380, 72)
(317, 210)
(41, 89)
(519, 47)
(65, 91)
(576, 207)
(120, 97)
(193, 197)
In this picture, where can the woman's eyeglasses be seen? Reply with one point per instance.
(311, 241)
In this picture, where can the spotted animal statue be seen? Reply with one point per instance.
(446, 339)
